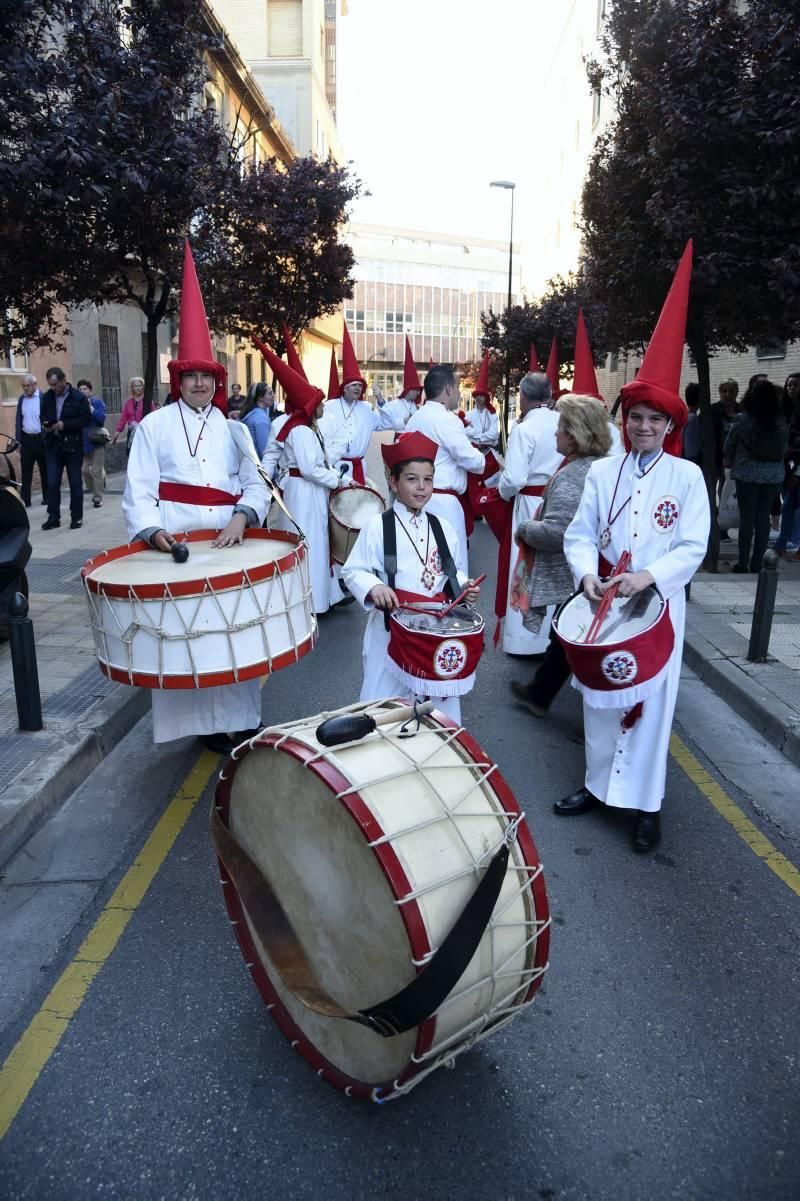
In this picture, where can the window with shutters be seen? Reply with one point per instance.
(109, 366)
(285, 28)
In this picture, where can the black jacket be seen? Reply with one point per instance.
(76, 413)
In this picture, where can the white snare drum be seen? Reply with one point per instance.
(632, 648)
(435, 656)
(373, 848)
(226, 615)
(349, 510)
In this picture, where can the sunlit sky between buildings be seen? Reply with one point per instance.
(436, 98)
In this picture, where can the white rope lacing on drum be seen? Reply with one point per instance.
(141, 619)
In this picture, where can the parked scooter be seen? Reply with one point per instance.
(15, 547)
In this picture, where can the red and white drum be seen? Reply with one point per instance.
(373, 848)
(632, 648)
(349, 510)
(435, 656)
(226, 615)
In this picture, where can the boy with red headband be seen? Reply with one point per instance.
(424, 570)
(652, 504)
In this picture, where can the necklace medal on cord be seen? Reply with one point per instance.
(427, 577)
(605, 536)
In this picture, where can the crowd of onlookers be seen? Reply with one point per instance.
(756, 444)
(63, 429)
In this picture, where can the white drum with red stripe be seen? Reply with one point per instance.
(373, 849)
(226, 615)
(349, 510)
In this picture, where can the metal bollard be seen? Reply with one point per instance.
(757, 651)
(23, 661)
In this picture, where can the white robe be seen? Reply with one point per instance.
(455, 457)
(617, 446)
(348, 428)
(400, 411)
(307, 501)
(531, 459)
(364, 569)
(482, 428)
(627, 768)
(161, 452)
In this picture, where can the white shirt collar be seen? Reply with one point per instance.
(204, 412)
(406, 515)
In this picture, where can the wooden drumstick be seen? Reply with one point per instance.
(351, 727)
(459, 599)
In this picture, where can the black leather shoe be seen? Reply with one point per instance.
(76, 523)
(647, 833)
(522, 694)
(245, 735)
(50, 524)
(219, 744)
(578, 802)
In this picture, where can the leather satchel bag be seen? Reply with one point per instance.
(98, 435)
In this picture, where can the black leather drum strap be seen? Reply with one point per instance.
(452, 587)
(407, 1008)
(389, 553)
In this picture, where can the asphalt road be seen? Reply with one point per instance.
(659, 1061)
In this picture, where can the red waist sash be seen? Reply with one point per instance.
(504, 557)
(295, 473)
(358, 469)
(194, 494)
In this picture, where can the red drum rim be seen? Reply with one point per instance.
(193, 587)
(210, 679)
(398, 883)
(350, 488)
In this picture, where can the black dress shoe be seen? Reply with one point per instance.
(522, 694)
(50, 524)
(76, 523)
(577, 802)
(219, 744)
(647, 833)
(245, 735)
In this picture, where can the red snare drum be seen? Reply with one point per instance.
(432, 655)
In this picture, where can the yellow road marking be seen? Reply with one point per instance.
(758, 843)
(29, 1056)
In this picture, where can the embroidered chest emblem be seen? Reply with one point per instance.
(431, 570)
(620, 667)
(665, 514)
(449, 658)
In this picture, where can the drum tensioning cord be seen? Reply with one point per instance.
(409, 1007)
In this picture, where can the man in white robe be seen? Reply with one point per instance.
(652, 504)
(185, 472)
(531, 459)
(482, 424)
(456, 455)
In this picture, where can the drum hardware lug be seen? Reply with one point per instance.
(380, 1024)
(404, 731)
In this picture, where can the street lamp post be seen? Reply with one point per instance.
(509, 186)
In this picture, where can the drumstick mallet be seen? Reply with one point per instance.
(351, 727)
(459, 599)
(608, 597)
(179, 551)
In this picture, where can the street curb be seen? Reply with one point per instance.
(748, 696)
(42, 787)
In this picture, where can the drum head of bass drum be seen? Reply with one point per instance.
(627, 617)
(354, 506)
(337, 899)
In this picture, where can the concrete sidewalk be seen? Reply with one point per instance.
(84, 713)
(718, 620)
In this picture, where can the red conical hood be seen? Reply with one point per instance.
(584, 381)
(410, 373)
(533, 360)
(301, 396)
(334, 388)
(658, 380)
(292, 357)
(482, 386)
(194, 340)
(351, 373)
(552, 369)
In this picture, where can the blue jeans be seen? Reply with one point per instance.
(58, 457)
(790, 517)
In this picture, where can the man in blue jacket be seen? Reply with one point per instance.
(65, 414)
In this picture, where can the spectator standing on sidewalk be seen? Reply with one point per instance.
(693, 431)
(790, 510)
(723, 415)
(132, 412)
(235, 399)
(65, 415)
(253, 414)
(755, 449)
(94, 453)
(29, 435)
